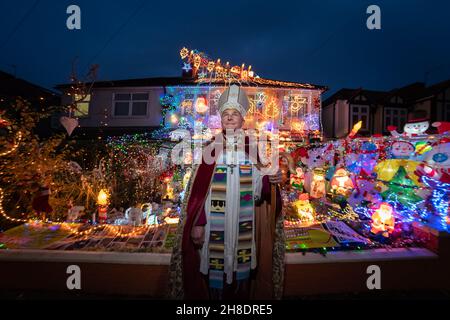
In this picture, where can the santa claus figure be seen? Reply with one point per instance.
(341, 183)
(41, 203)
(383, 221)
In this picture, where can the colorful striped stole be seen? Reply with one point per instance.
(217, 225)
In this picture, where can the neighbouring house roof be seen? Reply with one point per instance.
(183, 81)
(435, 89)
(12, 87)
(349, 94)
(409, 93)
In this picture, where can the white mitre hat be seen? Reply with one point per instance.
(234, 98)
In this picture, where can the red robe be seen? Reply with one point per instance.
(195, 286)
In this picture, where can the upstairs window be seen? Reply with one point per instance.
(130, 104)
(360, 113)
(395, 117)
(82, 106)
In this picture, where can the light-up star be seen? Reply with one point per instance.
(187, 67)
(202, 74)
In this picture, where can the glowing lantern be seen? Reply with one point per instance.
(201, 105)
(102, 201)
(341, 183)
(318, 184)
(305, 211)
(383, 220)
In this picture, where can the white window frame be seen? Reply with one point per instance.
(360, 114)
(401, 117)
(130, 105)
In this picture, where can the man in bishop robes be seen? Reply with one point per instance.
(230, 242)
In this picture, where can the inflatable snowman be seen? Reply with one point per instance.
(414, 128)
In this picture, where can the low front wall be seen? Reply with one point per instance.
(143, 274)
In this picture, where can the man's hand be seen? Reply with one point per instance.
(276, 178)
(198, 235)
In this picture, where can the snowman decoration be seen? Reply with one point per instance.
(134, 216)
(414, 128)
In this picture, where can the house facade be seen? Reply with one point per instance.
(140, 105)
(379, 109)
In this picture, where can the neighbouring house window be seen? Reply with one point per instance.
(82, 108)
(396, 100)
(360, 113)
(130, 104)
(395, 117)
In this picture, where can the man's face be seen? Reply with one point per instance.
(232, 119)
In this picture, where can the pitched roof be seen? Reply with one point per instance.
(183, 81)
(435, 89)
(12, 87)
(409, 93)
(348, 94)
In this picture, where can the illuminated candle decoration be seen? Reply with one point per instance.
(103, 202)
(355, 129)
(383, 221)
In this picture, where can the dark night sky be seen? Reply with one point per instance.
(321, 42)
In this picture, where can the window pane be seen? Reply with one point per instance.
(363, 109)
(82, 109)
(395, 112)
(388, 121)
(121, 108)
(83, 98)
(403, 112)
(139, 108)
(355, 109)
(123, 96)
(140, 96)
(364, 120)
